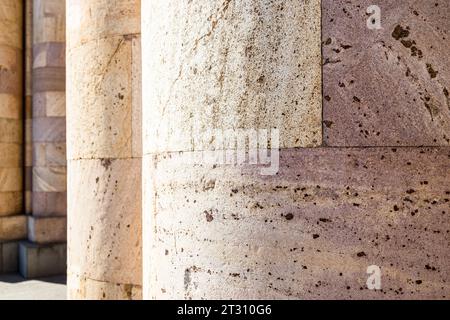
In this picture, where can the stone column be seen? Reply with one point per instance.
(218, 226)
(47, 224)
(212, 70)
(104, 149)
(12, 220)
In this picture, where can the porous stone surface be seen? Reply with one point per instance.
(311, 231)
(229, 65)
(387, 87)
(11, 54)
(82, 288)
(104, 149)
(49, 128)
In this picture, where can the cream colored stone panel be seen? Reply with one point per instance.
(99, 111)
(11, 20)
(49, 179)
(13, 228)
(230, 64)
(104, 220)
(89, 20)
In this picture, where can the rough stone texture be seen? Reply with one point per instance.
(104, 149)
(9, 257)
(44, 230)
(49, 129)
(309, 232)
(36, 261)
(228, 65)
(83, 288)
(13, 228)
(11, 52)
(386, 87)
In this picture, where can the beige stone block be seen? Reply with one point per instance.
(10, 203)
(11, 179)
(10, 106)
(49, 179)
(49, 21)
(229, 65)
(13, 228)
(49, 104)
(55, 104)
(11, 131)
(47, 229)
(11, 20)
(86, 289)
(10, 155)
(56, 154)
(104, 220)
(99, 104)
(11, 75)
(92, 20)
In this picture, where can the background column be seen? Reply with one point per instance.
(104, 149)
(44, 254)
(12, 219)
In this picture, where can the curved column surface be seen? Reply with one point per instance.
(49, 109)
(11, 52)
(214, 69)
(104, 149)
(311, 230)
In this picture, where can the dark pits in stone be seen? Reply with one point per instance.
(399, 33)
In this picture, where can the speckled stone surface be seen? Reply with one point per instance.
(309, 232)
(228, 65)
(387, 87)
(104, 149)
